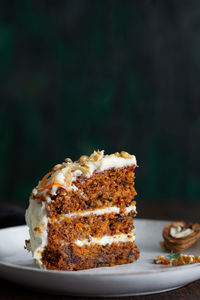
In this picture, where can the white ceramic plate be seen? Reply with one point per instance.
(139, 278)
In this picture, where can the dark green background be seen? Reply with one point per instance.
(116, 75)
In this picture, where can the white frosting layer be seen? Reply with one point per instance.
(37, 221)
(108, 162)
(101, 211)
(107, 239)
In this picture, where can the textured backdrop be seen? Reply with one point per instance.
(116, 75)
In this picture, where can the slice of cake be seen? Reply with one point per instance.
(80, 215)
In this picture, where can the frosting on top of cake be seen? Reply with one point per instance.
(107, 239)
(63, 175)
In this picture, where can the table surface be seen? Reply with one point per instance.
(11, 214)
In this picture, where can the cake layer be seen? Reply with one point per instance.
(113, 187)
(78, 227)
(73, 257)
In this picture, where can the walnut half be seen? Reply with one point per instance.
(180, 235)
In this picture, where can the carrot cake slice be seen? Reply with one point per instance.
(80, 215)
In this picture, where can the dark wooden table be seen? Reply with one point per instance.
(14, 215)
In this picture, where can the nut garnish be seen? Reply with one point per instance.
(184, 259)
(83, 158)
(125, 154)
(117, 154)
(96, 155)
(68, 160)
(175, 260)
(57, 167)
(178, 232)
(180, 235)
(161, 260)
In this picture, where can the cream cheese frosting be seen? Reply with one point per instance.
(100, 211)
(37, 221)
(107, 239)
